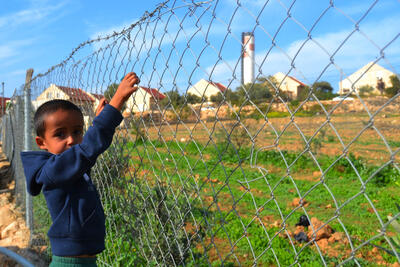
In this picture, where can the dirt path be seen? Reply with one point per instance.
(14, 235)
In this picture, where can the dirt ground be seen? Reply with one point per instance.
(14, 235)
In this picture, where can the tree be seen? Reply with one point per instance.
(193, 99)
(322, 90)
(173, 98)
(111, 89)
(395, 88)
(366, 89)
(259, 91)
(303, 94)
(228, 96)
(109, 93)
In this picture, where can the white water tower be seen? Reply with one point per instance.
(247, 57)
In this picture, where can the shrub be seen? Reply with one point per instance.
(396, 226)
(385, 176)
(160, 220)
(366, 89)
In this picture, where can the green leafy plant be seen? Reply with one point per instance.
(161, 224)
(396, 226)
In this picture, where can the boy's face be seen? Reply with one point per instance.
(63, 129)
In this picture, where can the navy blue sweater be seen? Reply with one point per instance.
(78, 218)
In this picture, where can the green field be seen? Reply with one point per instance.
(235, 206)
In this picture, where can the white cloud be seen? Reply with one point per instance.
(16, 72)
(13, 48)
(30, 15)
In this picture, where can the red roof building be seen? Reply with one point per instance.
(3, 104)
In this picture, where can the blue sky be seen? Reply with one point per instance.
(42, 33)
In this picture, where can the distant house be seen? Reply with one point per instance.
(206, 89)
(144, 99)
(289, 84)
(371, 74)
(3, 104)
(77, 96)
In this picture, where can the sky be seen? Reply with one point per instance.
(307, 39)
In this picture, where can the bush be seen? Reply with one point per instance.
(365, 90)
(160, 220)
(385, 176)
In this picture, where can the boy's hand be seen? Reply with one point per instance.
(101, 105)
(125, 90)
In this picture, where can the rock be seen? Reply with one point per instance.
(323, 244)
(297, 202)
(322, 231)
(6, 216)
(6, 242)
(316, 174)
(276, 224)
(375, 251)
(9, 230)
(338, 237)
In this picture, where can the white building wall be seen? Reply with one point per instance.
(203, 88)
(139, 101)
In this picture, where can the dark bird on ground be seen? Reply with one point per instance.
(303, 221)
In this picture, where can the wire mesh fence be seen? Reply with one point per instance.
(208, 169)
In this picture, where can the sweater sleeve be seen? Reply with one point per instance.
(74, 162)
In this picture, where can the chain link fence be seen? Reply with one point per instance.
(207, 170)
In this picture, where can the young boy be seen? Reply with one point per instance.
(62, 172)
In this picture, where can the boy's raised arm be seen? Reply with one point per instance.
(125, 89)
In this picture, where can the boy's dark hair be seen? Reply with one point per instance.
(48, 108)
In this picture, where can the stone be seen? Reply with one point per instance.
(375, 251)
(324, 232)
(6, 242)
(276, 224)
(6, 216)
(296, 202)
(316, 174)
(9, 230)
(338, 237)
(323, 244)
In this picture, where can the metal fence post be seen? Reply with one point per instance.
(2, 114)
(27, 142)
(3, 101)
